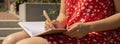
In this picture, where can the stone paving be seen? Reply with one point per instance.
(7, 16)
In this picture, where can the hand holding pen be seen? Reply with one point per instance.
(51, 23)
(48, 22)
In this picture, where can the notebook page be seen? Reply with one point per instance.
(33, 28)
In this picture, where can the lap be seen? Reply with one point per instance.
(20, 35)
(104, 37)
(33, 40)
(108, 37)
(15, 37)
(23, 38)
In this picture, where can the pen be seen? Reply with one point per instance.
(47, 17)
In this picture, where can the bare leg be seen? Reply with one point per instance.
(15, 37)
(33, 40)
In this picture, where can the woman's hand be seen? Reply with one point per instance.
(77, 30)
(54, 23)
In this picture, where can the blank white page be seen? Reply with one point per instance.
(33, 28)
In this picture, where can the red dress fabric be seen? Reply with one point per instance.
(87, 11)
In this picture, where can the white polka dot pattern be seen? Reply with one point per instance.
(86, 11)
(89, 10)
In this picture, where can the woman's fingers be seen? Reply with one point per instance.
(76, 30)
(50, 24)
(72, 28)
(55, 23)
(47, 25)
(70, 32)
(74, 34)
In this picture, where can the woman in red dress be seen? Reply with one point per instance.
(86, 21)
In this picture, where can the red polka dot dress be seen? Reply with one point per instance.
(87, 11)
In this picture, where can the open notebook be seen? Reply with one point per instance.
(37, 28)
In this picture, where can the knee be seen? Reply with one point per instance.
(9, 39)
(24, 42)
(15, 37)
(33, 40)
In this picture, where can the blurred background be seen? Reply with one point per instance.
(14, 11)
